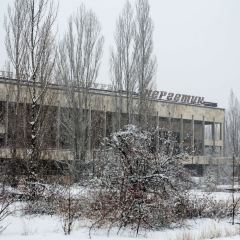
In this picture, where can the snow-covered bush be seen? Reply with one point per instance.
(43, 201)
(210, 179)
(207, 207)
(139, 185)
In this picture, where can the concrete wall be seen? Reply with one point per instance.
(104, 100)
(186, 115)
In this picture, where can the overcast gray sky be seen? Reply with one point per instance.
(197, 42)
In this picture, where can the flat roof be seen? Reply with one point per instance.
(6, 80)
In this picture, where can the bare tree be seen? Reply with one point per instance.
(31, 50)
(123, 61)
(133, 65)
(79, 59)
(232, 137)
(15, 27)
(146, 61)
(233, 145)
(233, 126)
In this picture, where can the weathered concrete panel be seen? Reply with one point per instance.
(105, 99)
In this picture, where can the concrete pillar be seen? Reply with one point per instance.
(58, 121)
(181, 133)
(6, 119)
(221, 134)
(203, 136)
(104, 122)
(157, 132)
(222, 137)
(113, 121)
(192, 140)
(169, 122)
(89, 131)
(213, 136)
(25, 119)
(118, 119)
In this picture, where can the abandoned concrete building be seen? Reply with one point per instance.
(198, 125)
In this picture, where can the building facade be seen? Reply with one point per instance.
(198, 125)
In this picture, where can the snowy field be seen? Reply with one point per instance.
(49, 228)
(225, 196)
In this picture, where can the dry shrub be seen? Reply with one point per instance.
(70, 206)
(5, 210)
(207, 207)
(137, 212)
(139, 187)
(69, 211)
(45, 203)
(185, 236)
(211, 233)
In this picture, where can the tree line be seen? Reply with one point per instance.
(36, 57)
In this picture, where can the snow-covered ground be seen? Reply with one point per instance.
(225, 196)
(49, 228)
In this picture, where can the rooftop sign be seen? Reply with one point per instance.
(176, 97)
(162, 95)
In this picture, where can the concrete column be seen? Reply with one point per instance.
(25, 119)
(58, 121)
(181, 133)
(118, 118)
(203, 136)
(213, 136)
(221, 132)
(169, 122)
(157, 132)
(192, 140)
(223, 137)
(104, 122)
(89, 126)
(113, 121)
(89, 132)
(6, 119)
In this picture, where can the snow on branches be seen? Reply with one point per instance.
(139, 186)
